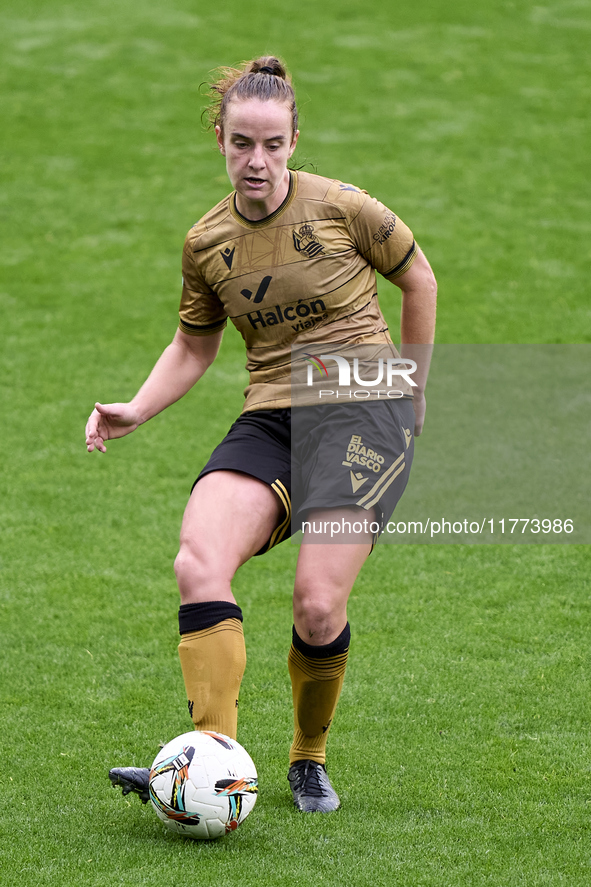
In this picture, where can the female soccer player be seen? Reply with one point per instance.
(290, 258)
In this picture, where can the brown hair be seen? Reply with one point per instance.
(264, 78)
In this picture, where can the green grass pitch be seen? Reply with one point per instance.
(461, 747)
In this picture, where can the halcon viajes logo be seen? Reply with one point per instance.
(301, 316)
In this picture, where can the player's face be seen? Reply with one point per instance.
(257, 141)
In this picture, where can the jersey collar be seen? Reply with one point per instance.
(262, 223)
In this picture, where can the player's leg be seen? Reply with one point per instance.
(326, 571)
(318, 655)
(229, 517)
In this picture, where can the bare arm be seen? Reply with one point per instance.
(417, 326)
(179, 367)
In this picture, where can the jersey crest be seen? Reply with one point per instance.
(305, 241)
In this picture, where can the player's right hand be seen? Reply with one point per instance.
(108, 421)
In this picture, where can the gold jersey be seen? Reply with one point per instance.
(303, 275)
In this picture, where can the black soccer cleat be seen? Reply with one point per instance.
(132, 779)
(311, 788)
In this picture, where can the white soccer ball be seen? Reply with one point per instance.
(203, 784)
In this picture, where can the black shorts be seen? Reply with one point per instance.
(323, 456)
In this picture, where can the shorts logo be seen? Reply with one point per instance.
(407, 437)
(356, 480)
(358, 454)
(305, 241)
(228, 256)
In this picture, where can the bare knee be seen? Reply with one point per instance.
(188, 565)
(200, 575)
(319, 615)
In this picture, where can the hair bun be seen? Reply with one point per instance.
(268, 64)
(242, 84)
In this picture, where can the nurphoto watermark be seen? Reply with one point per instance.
(502, 457)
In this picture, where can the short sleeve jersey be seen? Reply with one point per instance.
(304, 274)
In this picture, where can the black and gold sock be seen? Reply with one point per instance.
(317, 675)
(213, 659)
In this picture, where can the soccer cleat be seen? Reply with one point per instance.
(311, 788)
(132, 779)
